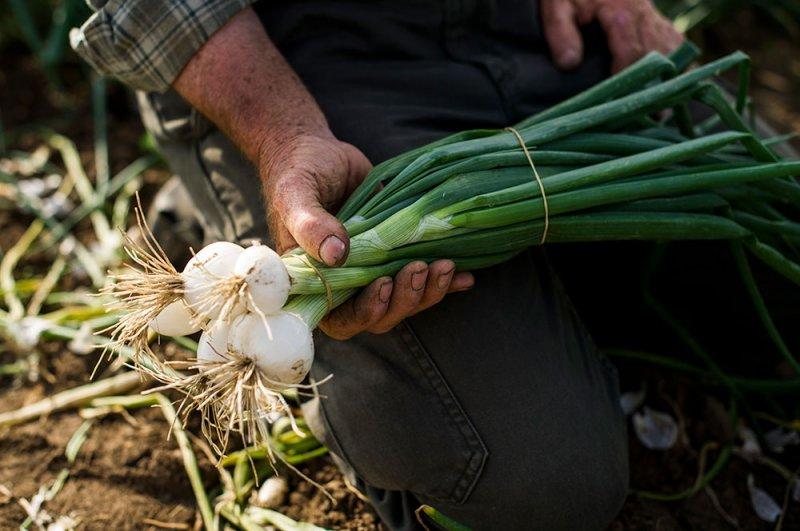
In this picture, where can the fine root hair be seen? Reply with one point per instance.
(140, 292)
(232, 395)
(234, 399)
(226, 295)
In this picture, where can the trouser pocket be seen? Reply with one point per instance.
(394, 419)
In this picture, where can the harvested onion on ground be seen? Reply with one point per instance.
(596, 167)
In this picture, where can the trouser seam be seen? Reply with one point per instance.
(478, 451)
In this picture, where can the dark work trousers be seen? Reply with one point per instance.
(495, 406)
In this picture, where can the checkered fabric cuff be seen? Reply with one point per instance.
(146, 43)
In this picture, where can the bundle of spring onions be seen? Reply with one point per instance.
(623, 160)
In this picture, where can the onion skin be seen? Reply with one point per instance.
(266, 278)
(284, 353)
(213, 343)
(213, 263)
(175, 320)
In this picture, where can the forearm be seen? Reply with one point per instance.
(242, 83)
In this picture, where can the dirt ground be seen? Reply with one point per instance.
(129, 476)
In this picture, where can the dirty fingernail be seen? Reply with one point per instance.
(418, 279)
(444, 279)
(385, 291)
(332, 250)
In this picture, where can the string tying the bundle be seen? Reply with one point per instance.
(538, 180)
(328, 291)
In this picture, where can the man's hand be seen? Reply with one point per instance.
(384, 303)
(309, 176)
(633, 28)
(305, 178)
(241, 82)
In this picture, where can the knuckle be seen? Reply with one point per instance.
(438, 294)
(304, 224)
(343, 336)
(364, 315)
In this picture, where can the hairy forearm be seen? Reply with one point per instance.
(242, 83)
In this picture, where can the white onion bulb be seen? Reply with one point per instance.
(284, 353)
(174, 320)
(214, 262)
(213, 343)
(266, 277)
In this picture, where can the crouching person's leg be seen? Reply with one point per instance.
(493, 407)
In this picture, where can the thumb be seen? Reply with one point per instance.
(317, 231)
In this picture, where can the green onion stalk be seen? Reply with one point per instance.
(606, 171)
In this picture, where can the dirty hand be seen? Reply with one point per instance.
(633, 28)
(306, 178)
(240, 80)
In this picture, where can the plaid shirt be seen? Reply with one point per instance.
(146, 43)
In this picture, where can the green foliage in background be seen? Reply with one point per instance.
(42, 26)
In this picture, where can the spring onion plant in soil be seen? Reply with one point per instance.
(624, 160)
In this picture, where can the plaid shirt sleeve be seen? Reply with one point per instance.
(146, 43)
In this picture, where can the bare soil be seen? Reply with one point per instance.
(128, 475)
